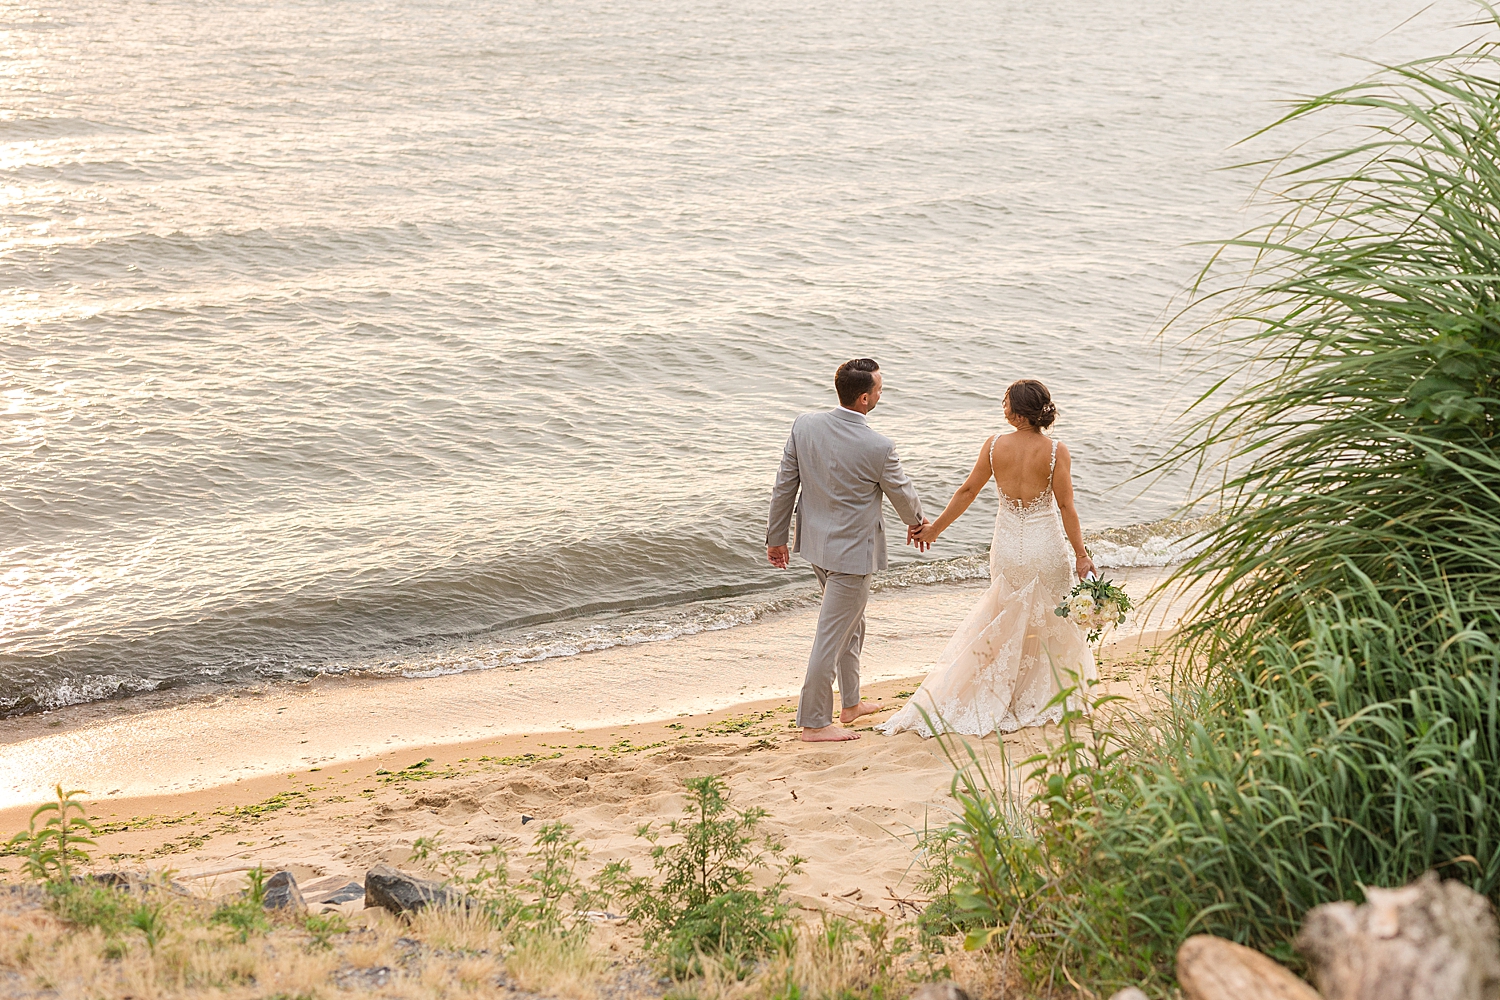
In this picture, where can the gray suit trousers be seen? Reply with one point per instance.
(836, 647)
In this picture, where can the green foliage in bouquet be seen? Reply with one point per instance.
(1095, 605)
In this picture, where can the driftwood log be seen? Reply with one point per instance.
(1211, 968)
(1431, 939)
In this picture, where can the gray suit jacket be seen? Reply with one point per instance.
(842, 467)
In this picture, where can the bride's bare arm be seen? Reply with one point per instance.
(1062, 489)
(963, 497)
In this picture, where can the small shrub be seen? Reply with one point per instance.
(324, 927)
(704, 900)
(246, 914)
(49, 852)
(551, 901)
(84, 905)
(147, 918)
(938, 851)
(555, 884)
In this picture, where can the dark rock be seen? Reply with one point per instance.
(526, 819)
(282, 894)
(402, 893)
(116, 880)
(134, 882)
(332, 891)
(370, 979)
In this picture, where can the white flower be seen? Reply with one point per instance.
(1081, 606)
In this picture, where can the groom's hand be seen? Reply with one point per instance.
(913, 535)
(778, 556)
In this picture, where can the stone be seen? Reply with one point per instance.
(399, 892)
(134, 882)
(1129, 993)
(1211, 968)
(1430, 939)
(282, 894)
(332, 891)
(940, 991)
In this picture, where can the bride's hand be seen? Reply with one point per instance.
(1084, 566)
(925, 535)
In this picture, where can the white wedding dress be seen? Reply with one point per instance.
(1007, 662)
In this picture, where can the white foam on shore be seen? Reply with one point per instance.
(251, 732)
(1157, 544)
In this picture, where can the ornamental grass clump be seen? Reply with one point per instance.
(1335, 715)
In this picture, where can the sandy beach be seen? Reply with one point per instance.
(328, 779)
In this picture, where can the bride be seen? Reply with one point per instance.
(1009, 659)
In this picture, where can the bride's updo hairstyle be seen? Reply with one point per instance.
(1031, 401)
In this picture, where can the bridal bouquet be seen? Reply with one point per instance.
(1095, 604)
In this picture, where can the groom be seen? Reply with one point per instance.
(842, 467)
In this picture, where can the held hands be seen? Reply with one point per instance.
(921, 535)
(778, 556)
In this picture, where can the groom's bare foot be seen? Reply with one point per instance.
(859, 711)
(828, 734)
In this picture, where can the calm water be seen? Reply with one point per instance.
(392, 336)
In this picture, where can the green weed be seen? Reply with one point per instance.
(246, 914)
(260, 810)
(50, 851)
(703, 899)
(86, 905)
(147, 918)
(324, 927)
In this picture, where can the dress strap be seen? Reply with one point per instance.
(992, 455)
(1051, 464)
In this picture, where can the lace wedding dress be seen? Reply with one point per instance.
(1013, 654)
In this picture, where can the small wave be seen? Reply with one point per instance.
(1159, 543)
(76, 691)
(520, 648)
(955, 570)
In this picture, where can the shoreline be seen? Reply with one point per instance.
(852, 809)
(126, 751)
(562, 634)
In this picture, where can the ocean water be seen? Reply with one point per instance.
(369, 336)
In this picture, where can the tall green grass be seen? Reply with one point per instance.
(1336, 723)
(1361, 433)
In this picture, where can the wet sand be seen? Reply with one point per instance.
(852, 810)
(132, 749)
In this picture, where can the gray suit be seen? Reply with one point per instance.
(842, 468)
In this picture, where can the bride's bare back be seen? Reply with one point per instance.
(1021, 464)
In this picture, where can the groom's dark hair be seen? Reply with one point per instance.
(854, 379)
